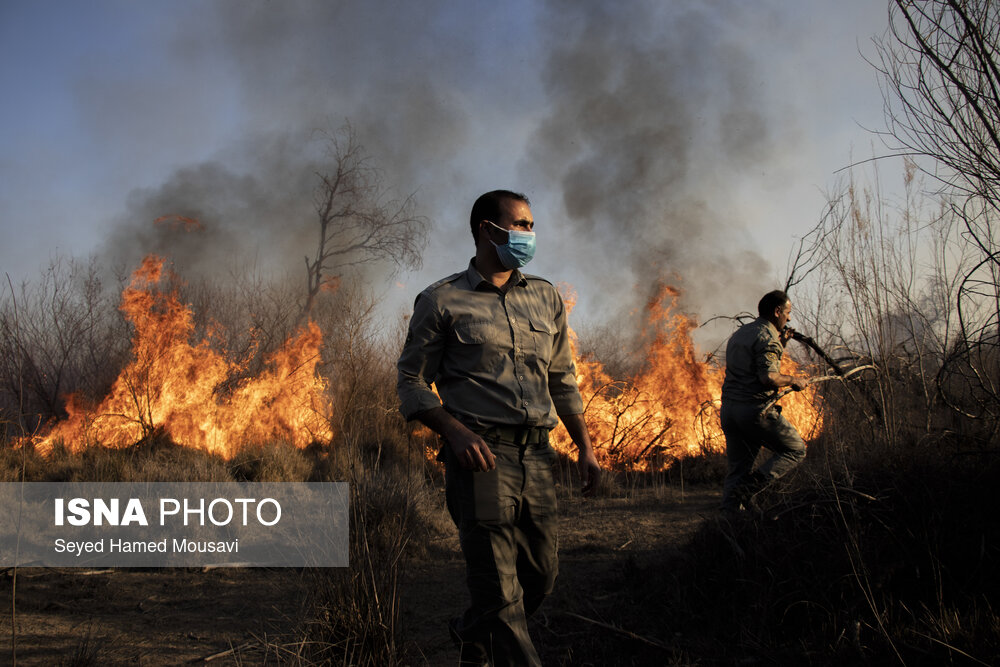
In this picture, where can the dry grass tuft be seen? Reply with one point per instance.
(270, 462)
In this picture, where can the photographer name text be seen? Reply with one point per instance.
(114, 545)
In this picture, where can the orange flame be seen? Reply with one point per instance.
(670, 409)
(187, 391)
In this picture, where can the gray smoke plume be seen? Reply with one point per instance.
(629, 124)
(207, 216)
(653, 116)
(303, 70)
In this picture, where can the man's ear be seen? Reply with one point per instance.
(484, 228)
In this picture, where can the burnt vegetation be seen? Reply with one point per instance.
(881, 549)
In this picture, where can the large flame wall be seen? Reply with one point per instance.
(197, 397)
(192, 393)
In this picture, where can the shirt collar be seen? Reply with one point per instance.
(476, 279)
(770, 325)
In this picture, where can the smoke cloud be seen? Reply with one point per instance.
(654, 115)
(632, 126)
(211, 215)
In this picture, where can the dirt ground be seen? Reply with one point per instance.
(147, 617)
(225, 616)
(597, 537)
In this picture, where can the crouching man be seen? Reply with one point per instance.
(753, 376)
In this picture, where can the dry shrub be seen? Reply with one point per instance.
(355, 618)
(24, 464)
(708, 468)
(159, 461)
(395, 513)
(93, 464)
(60, 334)
(179, 464)
(270, 462)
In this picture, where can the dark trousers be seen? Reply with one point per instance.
(747, 428)
(506, 521)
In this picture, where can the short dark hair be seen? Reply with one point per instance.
(487, 207)
(770, 301)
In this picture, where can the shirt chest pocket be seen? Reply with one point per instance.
(542, 334)
(473, 333)
(475, 345)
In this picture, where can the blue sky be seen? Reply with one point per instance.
(689, 141)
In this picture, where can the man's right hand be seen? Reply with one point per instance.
(471, 451)
(779, 380)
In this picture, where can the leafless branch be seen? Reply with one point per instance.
(940, 75)
(359, 222)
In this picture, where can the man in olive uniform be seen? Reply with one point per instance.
(753, 376)
(494, 343)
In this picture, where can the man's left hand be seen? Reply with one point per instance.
(786, 335)
(590, 472)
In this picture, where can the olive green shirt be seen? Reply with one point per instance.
(754, 350)
(497, 356)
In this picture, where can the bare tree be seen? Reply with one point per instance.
(940, 66)
(359, 222)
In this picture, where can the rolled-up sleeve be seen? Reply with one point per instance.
(418, 364)
(563, 388)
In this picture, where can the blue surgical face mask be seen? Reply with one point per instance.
(518, 250)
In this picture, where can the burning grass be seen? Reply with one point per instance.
(192, 393)
(667, 411)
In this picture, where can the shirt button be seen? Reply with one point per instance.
(525, 404)
(520, 377)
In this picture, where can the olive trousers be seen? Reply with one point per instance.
(748, 428)
(506, 521)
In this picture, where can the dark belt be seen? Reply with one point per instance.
(516, 435)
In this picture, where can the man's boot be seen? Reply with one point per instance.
(746, 492)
